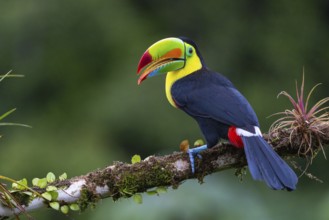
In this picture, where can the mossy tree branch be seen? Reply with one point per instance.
(122, 180)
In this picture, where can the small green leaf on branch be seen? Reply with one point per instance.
(65, 209)
(50, 177)
(135, 159)
(54, 205)
(74, 207)
(138, 198)
(63, 177)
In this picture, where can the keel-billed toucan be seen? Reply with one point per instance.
(221, 111)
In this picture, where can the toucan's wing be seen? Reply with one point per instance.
(209, 97)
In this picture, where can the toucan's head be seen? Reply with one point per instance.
(169, 55)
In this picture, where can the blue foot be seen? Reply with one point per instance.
(195, 152)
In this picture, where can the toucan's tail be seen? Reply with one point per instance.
(266, 165)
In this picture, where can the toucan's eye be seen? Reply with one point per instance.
(190, 51)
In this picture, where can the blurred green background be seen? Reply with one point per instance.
(81, 97)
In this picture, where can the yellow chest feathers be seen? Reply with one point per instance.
(192, 64)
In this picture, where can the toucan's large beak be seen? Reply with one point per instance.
(164, 56)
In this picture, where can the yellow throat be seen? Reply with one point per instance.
(193, 64)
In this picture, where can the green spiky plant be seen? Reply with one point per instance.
(304, 123)
(6, 196)
(20, 194)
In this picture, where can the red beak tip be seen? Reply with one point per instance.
(145, 60)
(141, 79)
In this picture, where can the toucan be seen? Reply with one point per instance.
(220, 110)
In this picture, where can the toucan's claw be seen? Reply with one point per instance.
(195, 152)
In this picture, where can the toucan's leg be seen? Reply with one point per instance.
(195, 152)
